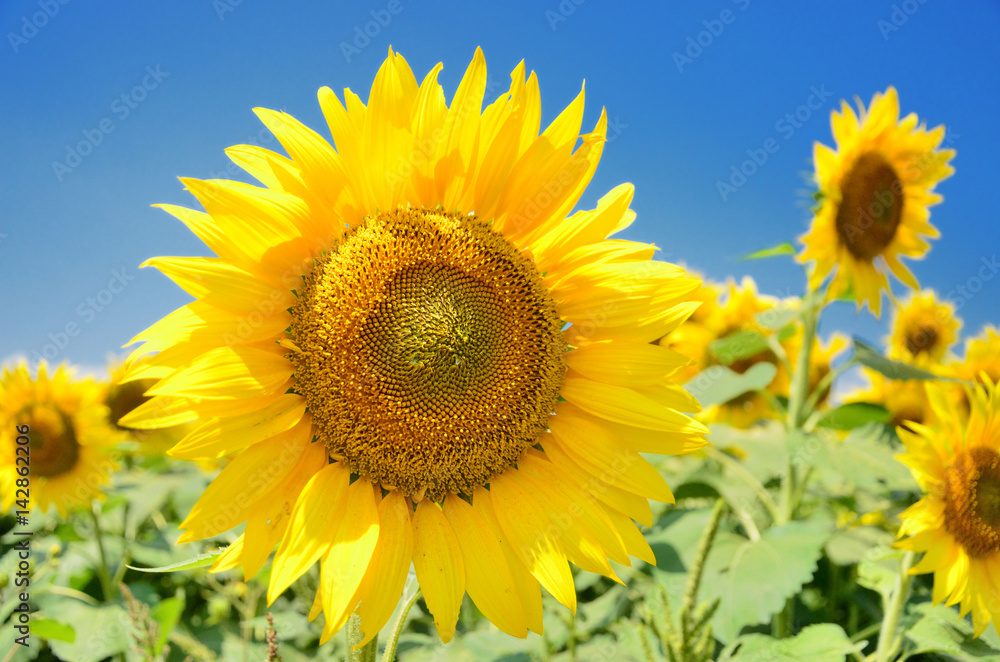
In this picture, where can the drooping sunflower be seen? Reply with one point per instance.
(981, 357)
(70, 442)
(422, 356)
(875, 190)
(923, 329)
(904, 399)
(122, 396)
(957, 523)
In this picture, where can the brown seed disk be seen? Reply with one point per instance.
(52, 441)
(972, 501)
(431, 352)
(871, 206)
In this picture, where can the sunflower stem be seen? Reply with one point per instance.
(366, 653)
(755, 485)
(390, 646)
(888, 637)
(102, 568)
(694, 581)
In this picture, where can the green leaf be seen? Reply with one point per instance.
(879, 569)
(199, 561)
(854, 415)
(46, 628)
(938, 629)
(101, 632)
(865, 460)
(850, 546)
(824, 642)
(738, 345)
(754, 578)
(167, 614)
(719, 384)
(774, 251)
(778, 318)
(869, 356)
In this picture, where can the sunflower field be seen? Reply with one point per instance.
(423, 402)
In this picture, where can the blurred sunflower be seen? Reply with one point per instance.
(957, 523)
(875, 190)
(421, 356)
(923, 329)
(735, 311)
(69, 439)
(123, 397)
(905, 400)
(982, 356)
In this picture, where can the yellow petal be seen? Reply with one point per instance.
(218, 437)
(315, 520)
(437, 559)
(525, 524)
(386, 575)
(529, 591)
(230, 558)
(273, 510)
(347, 559)
(487, 577)
(625, 405)
(228, 499)
(227, 373)
(626, 364)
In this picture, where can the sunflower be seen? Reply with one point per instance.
(70, 443)
(957, 523)
(422, 356)
(874, 192)
(122, 397)
(923, 329)
(982, 357)
(905, 400)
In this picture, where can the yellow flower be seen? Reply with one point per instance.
(923, 329)
(735, 310)
(422, 356)
(875, 190)
(957, 523)
(905, 400)
(69, 447)
(122, 397)
(982, 356)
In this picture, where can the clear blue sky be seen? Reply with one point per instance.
(73, 231)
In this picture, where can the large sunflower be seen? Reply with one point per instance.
(957, 524)
(422, 356)
(874, 190)
(923, 329)
(69, 439)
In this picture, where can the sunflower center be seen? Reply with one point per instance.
(52, 443)
(123, 398)
(921, 338)
(972, 501)
(871, 207)
(431, 352)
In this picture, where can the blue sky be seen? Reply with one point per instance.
(158, 90)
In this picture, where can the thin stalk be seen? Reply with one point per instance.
(800, 376)
(889, 635)
(102, 568)
(390, 646)
(759, 490)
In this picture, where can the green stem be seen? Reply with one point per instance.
(889, 636)
(759, 490)
(366, 653)
(694, 581)
(797, 411)
(102, 568)
(390, 646)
